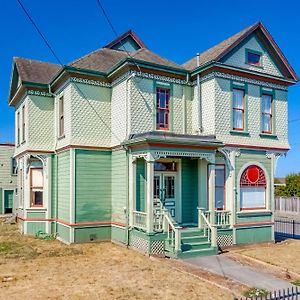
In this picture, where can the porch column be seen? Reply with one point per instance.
(149, 192)
(211, 201)
(132, 187)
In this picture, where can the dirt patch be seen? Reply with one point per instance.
(37, 269)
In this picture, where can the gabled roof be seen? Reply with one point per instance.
(35, 71)
(217, 52)
(104, 59)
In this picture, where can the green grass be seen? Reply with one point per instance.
(296, 282)
(255, 292)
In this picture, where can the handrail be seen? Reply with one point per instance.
(210, 230)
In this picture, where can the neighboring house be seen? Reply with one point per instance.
(167, 158)
(8, 179)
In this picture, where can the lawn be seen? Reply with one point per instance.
(285, 255)
(39, 269)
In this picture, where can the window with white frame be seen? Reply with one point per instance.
(238, 109)
(220, 187)
(14, 167)
(36, 187)
(253, 188)
(23, 123)
(267, 113)
(18, 128)
(61, 125)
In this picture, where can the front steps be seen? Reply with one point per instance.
(193, 243)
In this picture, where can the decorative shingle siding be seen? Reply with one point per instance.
(208, 106)
(178, 108)
(238, 58)
(92, 186)
(142, 107)
(189, 95)
(40, 115)
(253, 116)
(119, 191)
(119, 96)
(91, 118)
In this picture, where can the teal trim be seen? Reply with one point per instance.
(246, 214)
(140, 185)
(268, 136)
(240, 86)
(34, 227)
(236, 132)
(93, 233)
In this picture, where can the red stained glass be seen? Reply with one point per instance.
(253, 176)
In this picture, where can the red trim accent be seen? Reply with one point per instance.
(123, 36)
(73, 224)
(253, 224)
(165, 109)
(83, 147)
(179, 146)
(256, 147)
(253, 208)
(7, 144)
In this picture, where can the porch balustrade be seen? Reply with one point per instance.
(140, 219)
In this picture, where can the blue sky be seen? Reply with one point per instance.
(174, 29)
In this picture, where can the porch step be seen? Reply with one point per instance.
(193, 239)
(198, 252)
(195, 246)
(191, 232)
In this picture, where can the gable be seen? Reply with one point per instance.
(127, 44)
(15, 81)
(237, 57)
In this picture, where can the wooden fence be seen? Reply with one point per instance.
(289, 205)
(292, 293)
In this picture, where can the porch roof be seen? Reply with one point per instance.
(173, 139)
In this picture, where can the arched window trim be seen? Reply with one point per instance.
(258, 181)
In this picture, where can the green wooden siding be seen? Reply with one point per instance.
(36, 214)
(53, 186)
(93, 186)
(254, 217)
(253, 234)
(83, 235)
(34, 227)
(140, 184)
(63, 185)
(119, 191)
(189, 189)
(118, 234)
(63, 232)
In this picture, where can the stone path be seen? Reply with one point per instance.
(229, 268)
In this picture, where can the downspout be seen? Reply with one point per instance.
(200, 124)
(56, 169)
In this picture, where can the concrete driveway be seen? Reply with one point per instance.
(229, 268)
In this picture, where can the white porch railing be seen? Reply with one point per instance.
(222, 218)
(208, 229)
(140, 219)
(173, 232)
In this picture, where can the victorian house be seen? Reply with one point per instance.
(128, 146)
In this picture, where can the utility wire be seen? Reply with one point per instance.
(62, 65)
(295, 120)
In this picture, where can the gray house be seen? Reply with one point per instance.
(8, 179)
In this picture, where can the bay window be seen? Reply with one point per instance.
(36, 186)
(253, 188)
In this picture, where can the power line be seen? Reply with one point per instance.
(62, 65)
(295, 120)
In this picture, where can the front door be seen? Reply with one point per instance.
(165, 189)
(8, 201)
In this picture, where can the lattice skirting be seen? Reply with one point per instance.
(225, 240)
(139, 243)
(145, 246)
(157, 247)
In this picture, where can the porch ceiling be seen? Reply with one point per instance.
(172, 139)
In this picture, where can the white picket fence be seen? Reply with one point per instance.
(287, 204)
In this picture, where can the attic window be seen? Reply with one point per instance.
(253, 58)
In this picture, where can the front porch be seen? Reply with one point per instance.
(172, 200)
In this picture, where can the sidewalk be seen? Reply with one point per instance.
(231, 269)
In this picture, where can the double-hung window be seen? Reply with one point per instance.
(61, 127)
(36, 186)
(238, 107)
(267, 113)
(220, 187)
(18, 128)
(14, 168)
(23, 123)
(162, 109)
